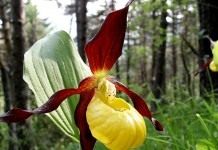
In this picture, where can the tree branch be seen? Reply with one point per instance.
(192, 48)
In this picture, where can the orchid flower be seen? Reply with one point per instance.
(213, 65)
(100, 114)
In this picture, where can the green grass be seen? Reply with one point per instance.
(190, 123)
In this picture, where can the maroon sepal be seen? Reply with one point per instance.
(18, 115)
(87, 141)
(203, 66)
(138, 103)
(15, 115)
(106, 47)
(158, 126)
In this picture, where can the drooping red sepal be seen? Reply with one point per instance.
(203, 66)
(138, 103)
(106, 47)
(158, 126)
(87, 141)
(17, 114)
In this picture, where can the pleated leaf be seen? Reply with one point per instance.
(51, 64)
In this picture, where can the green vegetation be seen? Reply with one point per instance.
(190, 123)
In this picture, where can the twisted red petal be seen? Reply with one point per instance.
(139, 104)
(106, 47)
(17, 114)
(87, 141)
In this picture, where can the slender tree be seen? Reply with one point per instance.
(7, 83)
(159, 70)
(117, 66)
(17, 55)
(186, 78)
(143, 41)
(81, 21)
(128, 58)
(173, 47)
(208, 10)
(153, 45)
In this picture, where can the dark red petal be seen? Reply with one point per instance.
(138, 103)
(87, 141)
(17, 114)
(106, 47)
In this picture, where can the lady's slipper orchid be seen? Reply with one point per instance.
(214, 63)
(100, 114)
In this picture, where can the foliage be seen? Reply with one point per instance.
(190, 123)
(35, 27)
(52, 64)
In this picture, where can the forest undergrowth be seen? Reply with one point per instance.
(190, 122)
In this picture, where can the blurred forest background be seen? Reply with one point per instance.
(165, 46)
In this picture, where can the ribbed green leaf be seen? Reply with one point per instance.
(51, 64)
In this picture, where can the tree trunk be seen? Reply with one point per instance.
(209, 23)
(81, 22)
(7, 84)
(159, 71)
(186, 78)
(143, 62)
(143, 68)
(117, 66)
(17, 55)
(174, 52)
(143, 42)
(153, 47)
(128, 58)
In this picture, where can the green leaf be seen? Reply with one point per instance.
(204, 125)
(51, 64)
